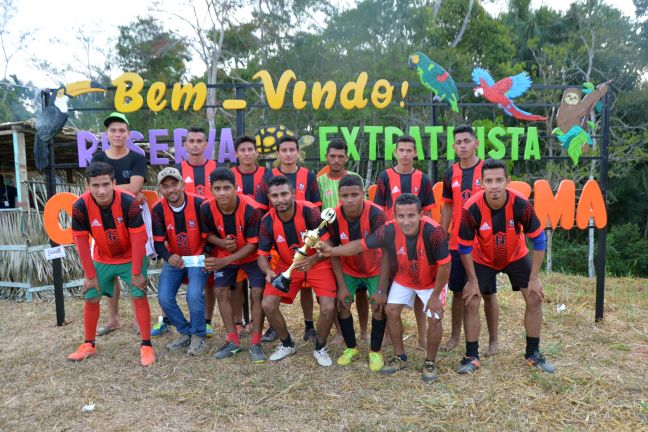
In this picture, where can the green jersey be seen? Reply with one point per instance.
(329, 190)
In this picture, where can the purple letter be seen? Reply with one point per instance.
(154, 147)
(178, 149)
(226, 147)
(85, 154)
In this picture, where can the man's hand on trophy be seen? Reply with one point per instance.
(306, 264)
(270, 276)
(325, 249)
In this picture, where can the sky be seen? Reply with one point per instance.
(54, 39)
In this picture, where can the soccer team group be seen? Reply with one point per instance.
(246, 221)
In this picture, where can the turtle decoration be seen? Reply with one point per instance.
(267, 138)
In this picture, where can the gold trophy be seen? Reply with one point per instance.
(311, 240)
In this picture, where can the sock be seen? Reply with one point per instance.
(402, 357)
(532, 345)
(207, 321)
(147, 342)
(233, 338)
(91, 313)
(256, 338)
(377, 333)
(348, 333)
(143, 316)
(472, 349)
(288, 342)
(309, 324)
(318, 345)
(166, 321)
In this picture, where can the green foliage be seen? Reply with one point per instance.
(626, 251)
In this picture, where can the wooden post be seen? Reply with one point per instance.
(20, 169)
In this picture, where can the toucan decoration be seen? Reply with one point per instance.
(54, 116)
(435, 78)
(504, 91)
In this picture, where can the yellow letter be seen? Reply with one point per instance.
(122, 92)
(382, 94)
(298, 95)
(188, 91)
(155, 97)
(357, 87)
(329, 89)
(275, 97)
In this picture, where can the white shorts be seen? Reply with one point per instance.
(399, 294)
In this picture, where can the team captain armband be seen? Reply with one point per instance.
(540, 242)
(465, 250)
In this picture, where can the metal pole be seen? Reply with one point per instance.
(240, 130)
(57, 266)
(602, 234)
(433, 164)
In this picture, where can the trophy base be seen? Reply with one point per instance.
(282, 283)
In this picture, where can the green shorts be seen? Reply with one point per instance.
(106, 274)
(353, 283)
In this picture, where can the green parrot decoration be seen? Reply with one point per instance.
(435, 78)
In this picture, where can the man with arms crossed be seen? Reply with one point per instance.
(491, 240)
(463, 180)
(113, 218)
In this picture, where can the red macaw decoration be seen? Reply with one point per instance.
(503, 91)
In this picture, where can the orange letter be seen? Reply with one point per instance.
(522, 187)
(437, 190)
(151, 197)
(60, 201)
(560, 208)
(591, 205)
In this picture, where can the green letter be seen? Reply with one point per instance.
(323, 131)
(499, 150)
(515, 132)
(390, 132)
(415, 132)
(350, 138)
(373, 132)
(532, 146)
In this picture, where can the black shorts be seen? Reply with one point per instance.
(458, 277)
(518, 273)
(226, 277)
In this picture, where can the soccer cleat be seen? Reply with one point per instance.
(538, 360)
(84, 351)
(256, 354)
(468, 365)
(159, 328)
(322, 357)
(394, 365)
(376, 361)
(197, 345)
(270, 335)
(180, 343)
(430, 372)
(310, 335)
(282, 352)
(347, 356)
(227, 350)
(209, 330)
(147, 355)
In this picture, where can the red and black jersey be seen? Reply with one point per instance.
(499, 238)
(242, 223)
(459, 185)
(343, 230)
(252, 184)
(110, 227)
(390, 185)
(196, 177)
(285, 237)
(180, 230)
(304, 182)
(416, 258)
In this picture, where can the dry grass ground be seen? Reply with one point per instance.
(601, 382)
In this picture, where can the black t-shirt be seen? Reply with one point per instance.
(133, 164)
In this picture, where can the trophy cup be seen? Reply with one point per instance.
(311, 240)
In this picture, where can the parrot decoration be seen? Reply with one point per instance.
(572, 118)
(503, 91)
(435, 78)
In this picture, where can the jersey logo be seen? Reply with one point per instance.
(238, 189)
(344, 236)
(126, 174)
(96, 223)
(170, 227)
(456, 184)
(477, 182)
(416, 189)
(301, 186)
(465, 195)
(395, 190)
(401, 251)
(120, 220)
(219, 228)
(366, 234)
(500, 239)
(192, 224)
(511, 223)
(484, 227)
(328, 192)
(240, 228)
(280, 239)
(188, 180)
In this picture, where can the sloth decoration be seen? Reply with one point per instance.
(572, 118)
